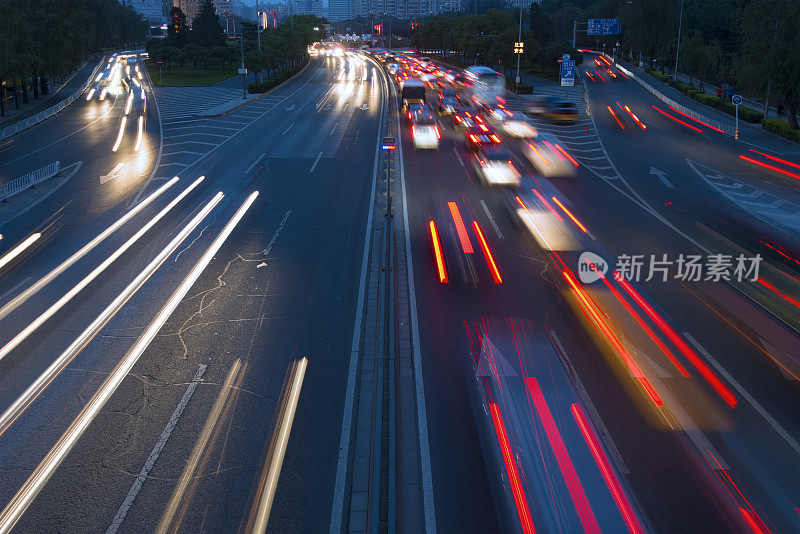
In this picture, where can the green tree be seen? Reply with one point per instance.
(206, 29)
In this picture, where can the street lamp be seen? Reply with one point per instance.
(519, 39)
(678, 48)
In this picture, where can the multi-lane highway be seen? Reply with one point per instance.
(460, 375)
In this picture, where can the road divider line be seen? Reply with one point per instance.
(277, 448)
(49, 277)
(250, 168)
(491, 219)
(111, 175)
(159, 446)
(754, 403)
(47, 314)
(314, 166)
(16, 286)
(199, 446)
(19, 249)
(287, 129)
(36, 481)
(458, 156)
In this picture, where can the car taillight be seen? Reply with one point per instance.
(438, 133)
(484, 128)
(409, 116)
(495, 139)
(413, 132)
(458, 118)
(474, 138)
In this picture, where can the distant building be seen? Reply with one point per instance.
(340, 10)
(317, 8)
(189, 8)
(151, 10)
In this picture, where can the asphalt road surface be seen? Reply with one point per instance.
(180, 265)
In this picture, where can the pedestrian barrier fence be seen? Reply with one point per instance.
(32, 178)
(49, 112)
(729, 130)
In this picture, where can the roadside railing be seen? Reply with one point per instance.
(29, 180)
(49, 112)
(727, 129)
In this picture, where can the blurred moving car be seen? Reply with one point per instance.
(548, 157)
(493, 165)
(412, 92)
(413, 109)
(448, 105)
(539, 104)
(562, 111)
(480, 134)
(463, 117)
(393, 68)
(514, 125)
(424, 131)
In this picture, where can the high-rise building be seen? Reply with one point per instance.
(151, 10)
(317, 8)
(189, 8)
(340, 10)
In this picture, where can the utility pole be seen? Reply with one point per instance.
(574, 32)
(678, 49)
(258, 26)
(769, 76)
(519, 38)
(243, 70)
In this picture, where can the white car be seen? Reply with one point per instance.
(514, 125)
(546, 153)
(424, 131)
(493, 166)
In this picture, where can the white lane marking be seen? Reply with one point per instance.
(287, 129)
(290, 108)
(460, 161)
(179, 143)
(314, 166)
(37, 480)
(111, 175)
(250, 168)
(422, 416)
(337, 509)
(589, 405)
(272, 241)
(491, 219)
(64, 180)
(16, 286)
(184, 152)
(199, 446)
(159, 446)
(661, 176)
(754, 403)
(334, 128)
(25, 295)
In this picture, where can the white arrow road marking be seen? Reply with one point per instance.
(112, 174)
(290, 108)
(661, 176)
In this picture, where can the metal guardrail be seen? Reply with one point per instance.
(49, 112)
(727, 129)
(32, 178)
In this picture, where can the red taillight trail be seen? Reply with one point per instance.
(574, 486)
(625, 508)
(521, 502)
(461, 230)
(487, 254)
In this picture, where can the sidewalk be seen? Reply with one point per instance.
(749, 133)
(56, 95)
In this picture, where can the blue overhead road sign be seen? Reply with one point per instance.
(602, 27)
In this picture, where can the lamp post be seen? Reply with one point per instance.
(258, 27)
(519, 39)
(678, 48)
